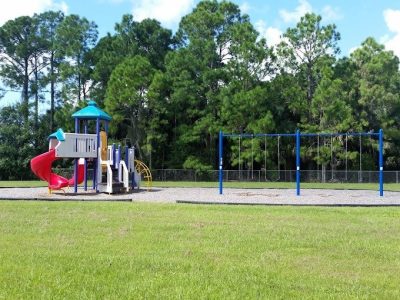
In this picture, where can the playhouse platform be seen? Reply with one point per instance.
(309, 197)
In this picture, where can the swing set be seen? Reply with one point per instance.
(298, 137)
(240, 159)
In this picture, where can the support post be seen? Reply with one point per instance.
(117, 156)
(133, 167)
(221, 136)
(85, 162)
(113, 154)
(380, 162)
(76, 160)
(298, 162)
(127, 156)
(96, 161)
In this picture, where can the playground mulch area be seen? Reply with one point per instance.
(312, 197)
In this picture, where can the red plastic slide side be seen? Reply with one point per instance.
(41, 167)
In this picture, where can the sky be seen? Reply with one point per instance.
(355, 19)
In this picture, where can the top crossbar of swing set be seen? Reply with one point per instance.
(298, 135)
(323, 134)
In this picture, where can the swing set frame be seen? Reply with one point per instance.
(298, 135)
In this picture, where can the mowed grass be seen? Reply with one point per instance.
(250, 185)
(22, 183)
(79, 250)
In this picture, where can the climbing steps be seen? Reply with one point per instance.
(142, 169)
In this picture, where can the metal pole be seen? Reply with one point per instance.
(127, 156)
(96, 160)
(380, 162)
(331, 157)
(85, 163)
(240, 171)
(346, 157)
(220, 161)
(279, 159)
(76, 159)
(265, 158)
(252, 158)
(298, 162)
(113, 155)
(360, 172)
(318, 175)
(132, 151)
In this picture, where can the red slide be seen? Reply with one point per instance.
(41, 167)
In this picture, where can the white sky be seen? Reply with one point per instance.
(17, 8)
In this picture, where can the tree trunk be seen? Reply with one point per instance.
(135, 139)
(84, 91)
(323, 171)
(150, 162)
(52, 91)
(163, 158)
(25, 93)
(309, 89)
(36, 91)
(211, 157)
(79, 77)
(79, 87)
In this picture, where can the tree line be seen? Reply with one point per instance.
(170, 94)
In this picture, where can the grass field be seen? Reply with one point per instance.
(254, 185)
(76, 250)
(22, 183)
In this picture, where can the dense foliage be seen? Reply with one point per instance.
(170, 94)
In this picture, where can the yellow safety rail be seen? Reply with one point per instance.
(141, 168)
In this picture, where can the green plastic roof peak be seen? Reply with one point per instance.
(91, 111)
(59, 135)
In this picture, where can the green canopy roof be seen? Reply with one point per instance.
(92, 111)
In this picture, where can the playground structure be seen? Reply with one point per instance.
(298, 137)
(115, 169)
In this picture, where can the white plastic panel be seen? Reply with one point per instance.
(77, 145)
(131, 160)
(123, 174)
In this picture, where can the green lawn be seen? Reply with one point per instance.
(22, 183)
(75, 250)
(256, 185)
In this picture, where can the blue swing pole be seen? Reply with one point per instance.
(96, 161)
(76, 159)
(85, 162)
(220, 175)
(380, 162)
(298, 162)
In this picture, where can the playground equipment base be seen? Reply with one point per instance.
(308, 197)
